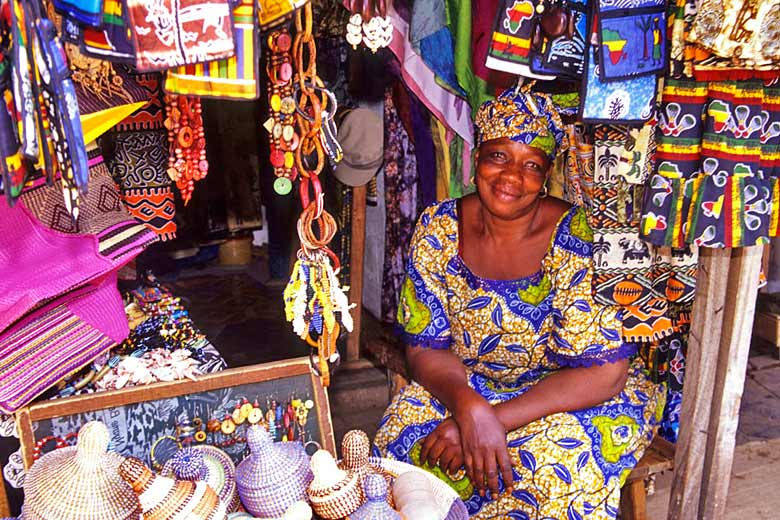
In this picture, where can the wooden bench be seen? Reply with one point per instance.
(659, 457)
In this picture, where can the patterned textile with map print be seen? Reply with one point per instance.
(715, 182)
(139, 163)
(654, 284)
(170, 33)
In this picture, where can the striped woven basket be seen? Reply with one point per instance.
(448, 502)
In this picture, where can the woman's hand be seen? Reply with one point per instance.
(443, 447)
(483, 440)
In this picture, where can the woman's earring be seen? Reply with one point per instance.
(473, 180)
(543, 193)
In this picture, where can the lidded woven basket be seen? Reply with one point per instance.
(334, 493)
(80, 483)
(164, 498)
(210, 465)
(274, 475)
(376, 507)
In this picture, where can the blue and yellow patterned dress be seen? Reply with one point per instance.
(511, 334)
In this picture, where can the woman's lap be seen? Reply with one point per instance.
(567, 465)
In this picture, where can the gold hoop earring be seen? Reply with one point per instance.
(473, 180)
(543, 193)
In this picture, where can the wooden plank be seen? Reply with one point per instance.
(356, 269)
(658, 457)
(700, 369)
(767, 327)
(325, 421)
(633, 501)
(26, 436)
(730, 379)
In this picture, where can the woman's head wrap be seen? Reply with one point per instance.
(524, 117)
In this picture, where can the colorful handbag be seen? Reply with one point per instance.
(11, 165)
(231, 78)
(630, 101)
(632, 42)
(510, 42)
(563, 51)
(88, 12)
(22, 79)
(111, 41)
(200, 31)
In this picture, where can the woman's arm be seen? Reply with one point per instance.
(564, 390)
(441, 373)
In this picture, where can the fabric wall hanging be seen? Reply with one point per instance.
(630, 101)
(171, 33)
(565, 55)
(88, 12)
(715, 183)
(110, 41)
(12, 168)
(232, 78)
(22, 82)
(632, 41)
(648, 281)
(510, 42)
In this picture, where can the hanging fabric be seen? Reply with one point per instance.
(87, 12)
(232, 78)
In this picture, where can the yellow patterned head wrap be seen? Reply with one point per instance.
(524, 117)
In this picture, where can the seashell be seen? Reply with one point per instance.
(334, 493)
(414, 496)
(274, 476)
(164, 498)
(376, 507)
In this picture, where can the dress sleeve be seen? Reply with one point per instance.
(423, 317)
(583, 332)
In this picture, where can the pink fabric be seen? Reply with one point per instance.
(450, 109)
(37, 264)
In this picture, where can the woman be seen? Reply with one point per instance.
(523, 397)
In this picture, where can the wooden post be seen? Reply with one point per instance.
(730, 379)
(700, 370)
(356, 269)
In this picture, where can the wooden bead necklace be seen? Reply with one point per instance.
(186, 141)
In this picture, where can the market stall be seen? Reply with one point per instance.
(142, 139)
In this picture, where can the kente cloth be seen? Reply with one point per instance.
(232, 78)
(510, 334)
(643, 278)
(524, 117)
(401, 179)
(715, 180)
(58, 339)
(171, 33)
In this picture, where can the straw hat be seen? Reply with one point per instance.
(80, 483)
(274, 476)
(164, 498)
(209, 464)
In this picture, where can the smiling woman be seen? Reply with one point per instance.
(524, 398)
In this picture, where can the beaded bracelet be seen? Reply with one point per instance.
(280, 125)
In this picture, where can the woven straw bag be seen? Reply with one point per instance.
(80, 483)
(274, 476)
(448, 502)
(164, 498)
(334, 493)
(210, 465)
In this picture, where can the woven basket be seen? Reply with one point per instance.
(448, 502)
(80, 483)
(209, 464)
(334, 493)
(274, 476)
(376, 491)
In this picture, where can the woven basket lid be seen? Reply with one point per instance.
(326, 473)
(272, 461)
(166, 498)
(376, 506)
(209, 464)
(80, 483)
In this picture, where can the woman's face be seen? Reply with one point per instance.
(510, 176)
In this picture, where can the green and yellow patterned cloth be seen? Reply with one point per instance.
(510, 334)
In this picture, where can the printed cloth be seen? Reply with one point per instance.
(232, 78)
(632, 38)
(510, 334)
(715, 182)
(401, 179)
(171, 33)
(665, 360)
(510, 42)
(88, 12)
(649, 281)
(524, 117)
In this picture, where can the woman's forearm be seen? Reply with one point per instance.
(441, 373)
(564, 391)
